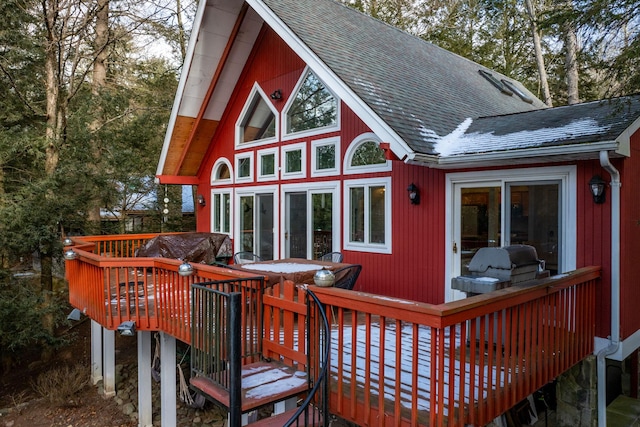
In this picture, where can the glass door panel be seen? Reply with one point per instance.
(322, 226)
(480, 216)
(264, 229)
(296, 225)
(534, 219)
(246, 224)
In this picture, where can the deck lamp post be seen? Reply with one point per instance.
(70, 255)
(185, 269)
(598, 189)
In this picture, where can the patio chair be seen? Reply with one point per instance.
(332, 256)
(346, 276)
(245, 257)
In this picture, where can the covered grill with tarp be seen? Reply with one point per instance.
(206, 248)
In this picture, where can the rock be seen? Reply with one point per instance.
(129, 408)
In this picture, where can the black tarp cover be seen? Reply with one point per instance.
(193, 247)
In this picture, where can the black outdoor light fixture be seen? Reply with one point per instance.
(201, 201)
(414, 194)
(598, 188)
(277, 94)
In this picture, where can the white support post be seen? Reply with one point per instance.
(145, 409)
(168, 388)
(96, 352)
(109, 381)
(285, 405)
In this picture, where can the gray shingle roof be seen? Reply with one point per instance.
(420, 90)
(598, 121)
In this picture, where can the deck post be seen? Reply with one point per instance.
(109, 354)
(96, 352)
(145, 410)
(168, 392)
(235, 354)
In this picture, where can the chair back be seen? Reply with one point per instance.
(346, 276)
(332, 257)
(245, 257)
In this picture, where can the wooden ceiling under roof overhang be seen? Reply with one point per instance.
(191, 136)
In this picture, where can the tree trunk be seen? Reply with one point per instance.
(571, 60)
(544, 83)
(99, 79)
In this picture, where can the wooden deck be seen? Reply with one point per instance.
(394, 362)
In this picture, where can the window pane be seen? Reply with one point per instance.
(326, 157)
(535, 219)
(216, 213)
(376, 220)
(313, 107)
(368, 153)
(244, 167)
(260, 122)
(246, 223)
(322, 223)
(226, 213)
(223, 172)
(268, 164)
(356, 222)
(293, 161)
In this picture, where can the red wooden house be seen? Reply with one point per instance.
(309, 127)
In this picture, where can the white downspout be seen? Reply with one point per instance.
(614, 339)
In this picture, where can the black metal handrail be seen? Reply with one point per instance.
(314, 409)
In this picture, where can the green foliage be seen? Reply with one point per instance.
(22, 309)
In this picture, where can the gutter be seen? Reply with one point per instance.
(614, 338)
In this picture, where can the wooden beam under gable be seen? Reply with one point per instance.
(184, 157)
(186, 148)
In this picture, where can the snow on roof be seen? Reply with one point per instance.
(458, 142)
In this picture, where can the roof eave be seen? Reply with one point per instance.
(195, 30)
(557, 153)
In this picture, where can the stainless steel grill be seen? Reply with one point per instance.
(497, 268)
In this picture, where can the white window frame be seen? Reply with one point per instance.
(256, 90)
(253, 191)
(351, 149)
(324, 142)
(303, 134)
(214, 172)
(248, 155)
(367, 246)
(332, 187)
(221, 192)
(276, 164)
(303, 159)
(566, 175)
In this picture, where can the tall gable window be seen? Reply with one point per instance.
(257, 121)
(313, 107)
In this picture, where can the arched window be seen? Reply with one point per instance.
(365, 155)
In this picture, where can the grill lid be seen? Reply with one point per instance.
(504, 258)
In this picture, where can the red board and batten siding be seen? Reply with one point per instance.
(416, 268)
(630, 240)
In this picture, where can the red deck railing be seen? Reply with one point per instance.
(397, 362)
(394, 362)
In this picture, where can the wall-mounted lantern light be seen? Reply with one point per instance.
(414, 194)
(277, 94)
(598, 188)
(201, 201)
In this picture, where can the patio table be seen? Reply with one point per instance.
(298, 270)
